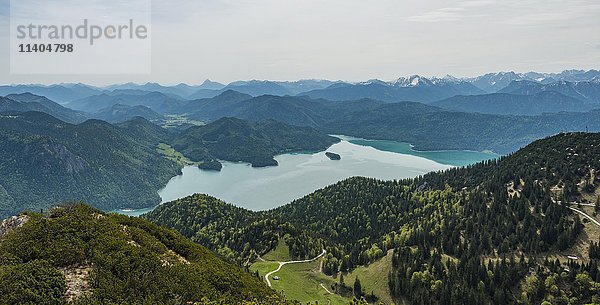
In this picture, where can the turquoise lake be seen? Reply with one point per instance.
(450, 157)
(300, 174)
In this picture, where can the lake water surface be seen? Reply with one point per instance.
(300, 174)
(450, 157)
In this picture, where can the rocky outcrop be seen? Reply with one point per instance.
(77, 280)
(10, 224)
(71, 162)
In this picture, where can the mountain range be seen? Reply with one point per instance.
(414, 88)
(501, 122)
(587, 91)
(403, 89)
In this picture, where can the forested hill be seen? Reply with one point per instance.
(566, 161)
(79, 255)
(235, 140)
(44, 161)
(441, 226)
(512, 104)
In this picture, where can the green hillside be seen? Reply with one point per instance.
(44, 161)
(80, 255)
(444, 225)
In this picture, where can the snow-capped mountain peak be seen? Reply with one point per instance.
(373, 81)
(412, 81)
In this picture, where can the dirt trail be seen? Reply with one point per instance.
(281, 264)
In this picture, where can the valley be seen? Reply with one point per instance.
(431, 225)
(414, 191)
(263, 152)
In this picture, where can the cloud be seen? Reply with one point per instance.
(554, 14)
(594, 45)
(439, 15)
(476, 3)
(462, 10)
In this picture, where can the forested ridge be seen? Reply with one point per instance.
(235, 140)
(45, 161)
(442, 225)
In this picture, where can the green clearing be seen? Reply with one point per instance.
(374, 278)
(176, 120)
(302, 282)
(171, 154)
(281, 253)
(263, 268)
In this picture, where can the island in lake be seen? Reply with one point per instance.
(212, 165)
(333, 156)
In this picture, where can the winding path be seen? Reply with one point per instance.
(281, 264)
(585, 215)
(326, 289)
(579, 211)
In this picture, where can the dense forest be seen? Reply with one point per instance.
(80, 255)
(441, 224)
(44, 161)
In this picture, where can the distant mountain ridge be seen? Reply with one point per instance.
(25, 102)
(513, 104)
(121, 113)
(413, 88)
(60, 93)
(494, 82)
(488, 83)
(157, 101)
(587, 91)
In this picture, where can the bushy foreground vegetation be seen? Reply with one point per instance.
(129, 260)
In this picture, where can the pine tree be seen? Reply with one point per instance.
(357, 288)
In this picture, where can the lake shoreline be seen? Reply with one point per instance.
(365, 159)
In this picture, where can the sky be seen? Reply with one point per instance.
(228, 40)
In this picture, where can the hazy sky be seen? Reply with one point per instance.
(227, 40)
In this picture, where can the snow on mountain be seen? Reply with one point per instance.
(412, 81)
